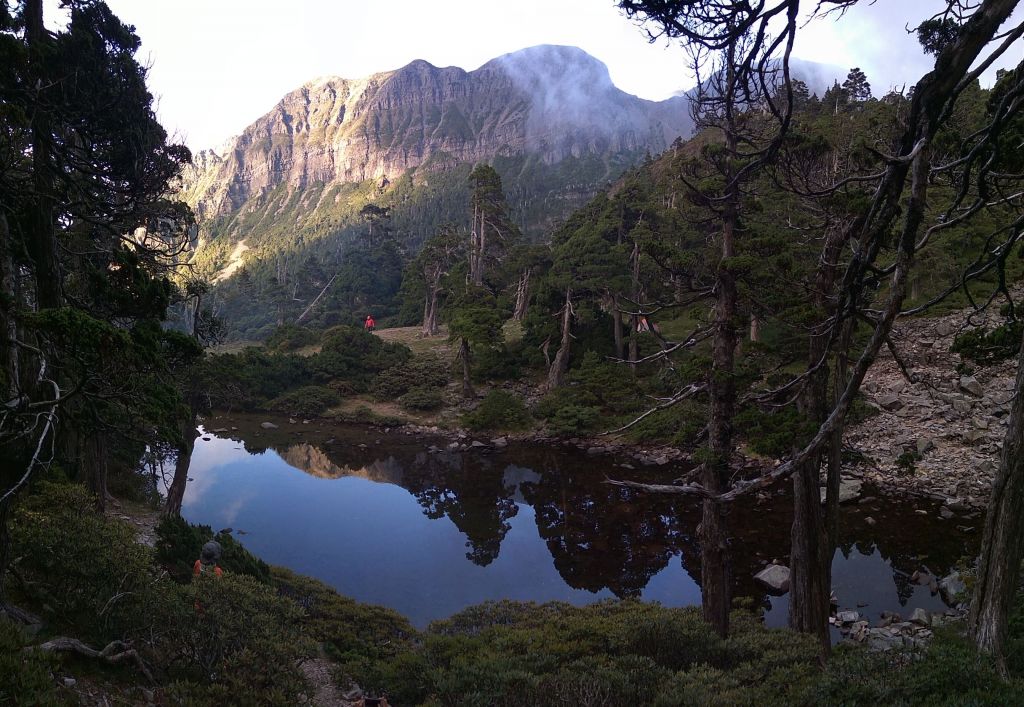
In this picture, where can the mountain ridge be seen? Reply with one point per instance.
(550, 100)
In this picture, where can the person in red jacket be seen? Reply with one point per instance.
(370, 324)
(207, 562)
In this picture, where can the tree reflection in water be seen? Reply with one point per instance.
(469, 490)
(601, 536)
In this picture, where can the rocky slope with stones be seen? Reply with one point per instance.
(938, 430)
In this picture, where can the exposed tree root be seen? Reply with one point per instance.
(115, 652)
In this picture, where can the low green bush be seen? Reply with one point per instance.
(291, 337)
(356, 355)
(307, 401)
(178, 544)
(774, 433)
(424, 371)
(349, 630)
(612, 384)
(249, 379)
(422, 399)
(363, 415)
(680, 424)
(609, 653)
(986, 347)
(499, 410)
(24, 676)
(499, 363)
(243, 637)
(948, 671)
(569, 410)
(227, 640)
(88, 573)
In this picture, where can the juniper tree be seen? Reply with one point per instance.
(887, 229)
(88, 242)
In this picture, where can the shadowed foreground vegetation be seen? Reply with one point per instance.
(241, 639)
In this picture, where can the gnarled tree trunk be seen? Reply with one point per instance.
(1003, 541)
(522, 296)
(620, 344)
(176, 491)
(813, 532)
(556, 373)
(43, 243)
(430, 310)
(465, 355)
(716, 565)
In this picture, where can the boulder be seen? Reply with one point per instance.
(848, 617)
(849, 490)
(889, 401)
(500, 442)
(974, 436)
(925, 445)
(921, 618)
(268, 425)
(859, 631)
(882, 641)
(774, 578)
(970, 385)
(951, 586)
(962, 405)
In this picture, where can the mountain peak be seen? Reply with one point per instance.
(552, 65)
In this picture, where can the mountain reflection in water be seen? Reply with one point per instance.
(385, 521)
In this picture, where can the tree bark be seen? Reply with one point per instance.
(634, 319)
(810, 559)
(1003, 540)
(115, 652)
(477, 247)
(43, 241)
(467, 383)
(96, 460)
(176, 492)
(716, 566)
(620, 344)
(811, 536)
(8, 324)
(556, 373)
(522, 296)
(430, 310)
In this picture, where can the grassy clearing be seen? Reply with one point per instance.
(410, 336)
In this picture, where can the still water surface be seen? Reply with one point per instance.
(384, 521)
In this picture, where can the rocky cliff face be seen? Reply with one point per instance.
(551, 103)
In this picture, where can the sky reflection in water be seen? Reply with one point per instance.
(429, 534)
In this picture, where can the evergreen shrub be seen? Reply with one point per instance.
(307, 401)
(499, 410)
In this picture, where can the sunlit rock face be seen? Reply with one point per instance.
(548, 102)
(315, 462)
